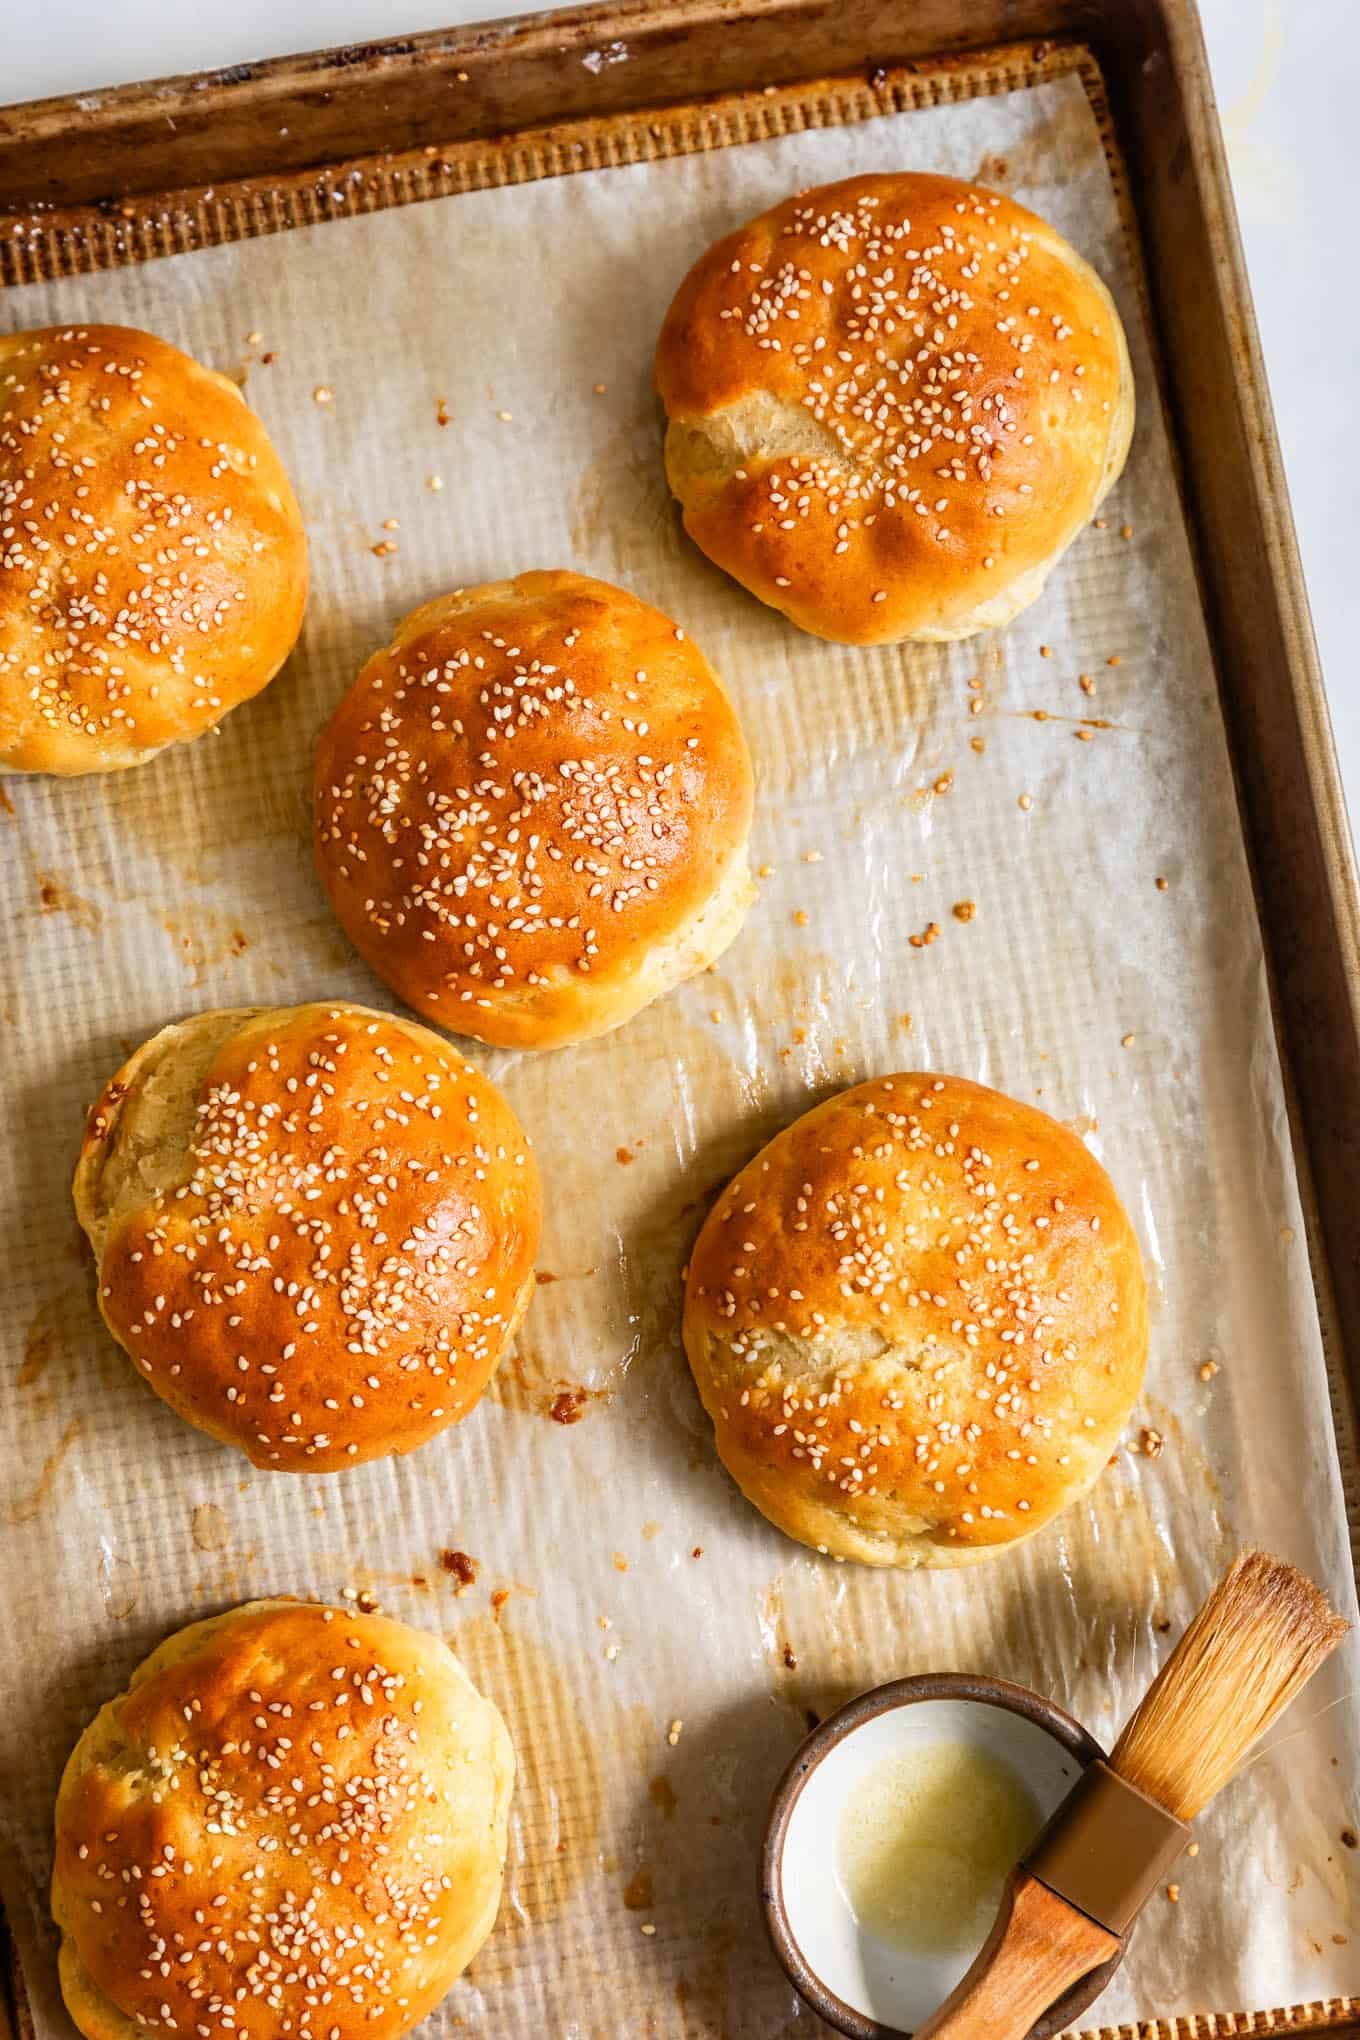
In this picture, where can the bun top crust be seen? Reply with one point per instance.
(918, 1321)
(153, 567)
(537, 783)
(893, 402)
(315, 1228)
(292, 1826)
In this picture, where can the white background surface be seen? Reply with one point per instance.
(1290, 100)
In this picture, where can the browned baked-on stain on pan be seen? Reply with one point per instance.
(31, 1505)
(460, 1568)
(205, 940)
(663, 1795)
(55, 896)
(569, 1405)
(527, 1380)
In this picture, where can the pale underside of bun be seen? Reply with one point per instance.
(894, 1534)
(759, 430)
(791, 490)
(565, 1009)
(917, 1320)
(149, 1153)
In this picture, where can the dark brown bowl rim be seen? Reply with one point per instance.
(1045, 1714)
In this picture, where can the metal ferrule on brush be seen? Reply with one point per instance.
(1107, 1848)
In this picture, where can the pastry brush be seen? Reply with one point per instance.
(1068, 1904)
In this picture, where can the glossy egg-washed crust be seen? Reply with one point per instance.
(153, 567)
(315, 1229)
(292, 1826)
(893, 403)
(918, 1322)
(531, 810)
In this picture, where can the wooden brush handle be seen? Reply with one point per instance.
(1039, 1946)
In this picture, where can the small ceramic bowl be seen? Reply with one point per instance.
(853, 1981)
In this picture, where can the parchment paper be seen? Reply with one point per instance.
(641, 1590)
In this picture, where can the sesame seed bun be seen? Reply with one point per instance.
(291, 1826)
(893, 404)
(153, 567)
(918, 1322)
(531, 810)
(315, 1229)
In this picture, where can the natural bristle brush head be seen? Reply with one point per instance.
(1259, 1637)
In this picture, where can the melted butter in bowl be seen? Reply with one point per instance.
(926, 1840)
(892, 1835)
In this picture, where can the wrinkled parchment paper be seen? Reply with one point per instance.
(622, 1584)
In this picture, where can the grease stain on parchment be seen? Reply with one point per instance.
(204, 941)
(209, 1527)
(31, 1505)
(558, 1808)
(120, 1583)
(624, 514)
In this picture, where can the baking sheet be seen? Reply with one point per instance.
(622, 1584)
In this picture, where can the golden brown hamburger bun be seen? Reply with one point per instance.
(918, 1322)
(315, 1229)
(292, 1826)
(893, 404)
(153, 567)
(532, 809)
